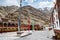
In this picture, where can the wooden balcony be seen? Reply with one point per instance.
(57, 33)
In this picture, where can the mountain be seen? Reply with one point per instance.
(13, 13)
(46, 11)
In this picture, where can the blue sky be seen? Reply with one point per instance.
(34, 3)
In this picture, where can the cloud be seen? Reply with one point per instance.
(46, 4)
(29, 1)
(34, 3)
(10, 2)
(40, 3)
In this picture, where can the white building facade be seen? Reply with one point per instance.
(55, 17)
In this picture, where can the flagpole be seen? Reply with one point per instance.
(19, 19)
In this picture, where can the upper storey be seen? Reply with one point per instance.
(58, 4)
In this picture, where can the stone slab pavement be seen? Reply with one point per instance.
(36, 35)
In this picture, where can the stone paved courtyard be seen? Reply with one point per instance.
(36, 35)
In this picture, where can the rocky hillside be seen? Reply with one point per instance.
(13, 12)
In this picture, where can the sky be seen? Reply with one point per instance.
(9, 2)
(34, 3)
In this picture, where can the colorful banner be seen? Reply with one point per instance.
(28, 24)
(19, 24)
(32, 25)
